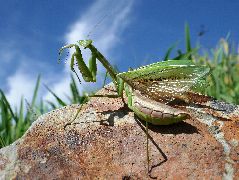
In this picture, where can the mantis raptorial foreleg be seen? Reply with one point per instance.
(88, 73)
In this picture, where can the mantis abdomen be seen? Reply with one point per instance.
(154, 112)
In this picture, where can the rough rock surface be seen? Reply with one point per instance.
(106, 141)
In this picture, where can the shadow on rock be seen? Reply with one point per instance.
(112, 114)
(178, 128)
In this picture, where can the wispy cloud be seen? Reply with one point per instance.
(106, 35)
(20, 84)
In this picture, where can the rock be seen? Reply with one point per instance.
(107, 141)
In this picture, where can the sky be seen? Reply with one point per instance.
(129, 33)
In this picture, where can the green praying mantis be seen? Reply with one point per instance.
(150, 89)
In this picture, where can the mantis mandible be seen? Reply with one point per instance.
(149, 89)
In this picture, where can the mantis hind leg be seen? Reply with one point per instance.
(77, 113)
(147, 143)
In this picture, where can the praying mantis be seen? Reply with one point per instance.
(150, 89)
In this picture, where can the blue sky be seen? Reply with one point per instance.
(133, 33)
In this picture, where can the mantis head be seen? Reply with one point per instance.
(85, 43)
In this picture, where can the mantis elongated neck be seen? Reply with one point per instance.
(105, 63)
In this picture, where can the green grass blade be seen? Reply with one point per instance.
(35, 91)
(20, 123)
(6, 122)
(2, 142)
(74, 91)
(53, 106)
(59, 100)
(8, 105)
(188, 41)
(42, 107)
(167, 55)
(105, 78)
(33, 102)
(186, 55)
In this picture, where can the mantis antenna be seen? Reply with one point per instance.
(96, 25)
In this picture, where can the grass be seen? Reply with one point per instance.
(224, 81)
(14, 123)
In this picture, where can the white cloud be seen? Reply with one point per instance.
(20, 84)
(106, 20)
(23, 81)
